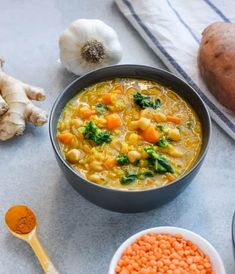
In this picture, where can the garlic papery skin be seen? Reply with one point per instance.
(89, 44)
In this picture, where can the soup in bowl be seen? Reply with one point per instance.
(129, 138)
(129, 134)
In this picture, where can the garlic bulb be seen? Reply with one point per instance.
(88, 44)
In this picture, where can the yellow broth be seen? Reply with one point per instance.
(172, 121)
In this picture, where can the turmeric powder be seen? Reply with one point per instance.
(20, 219)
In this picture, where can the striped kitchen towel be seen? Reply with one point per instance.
(172, 28)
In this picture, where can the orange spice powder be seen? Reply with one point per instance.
(20, 219)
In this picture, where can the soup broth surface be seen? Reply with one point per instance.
(129, 134)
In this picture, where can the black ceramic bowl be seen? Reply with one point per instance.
(122, 200)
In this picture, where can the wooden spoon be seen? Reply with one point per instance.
(32, 239)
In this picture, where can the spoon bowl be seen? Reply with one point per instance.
(32, 239)
(25, 237)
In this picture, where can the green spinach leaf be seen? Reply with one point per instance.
(163, 142)
(101, 108)
(92, 132)
(122, 160)
(146, 101)
(128, 178)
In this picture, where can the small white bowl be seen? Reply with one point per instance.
(204, 246)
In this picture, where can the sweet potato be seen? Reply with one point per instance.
(216, 60)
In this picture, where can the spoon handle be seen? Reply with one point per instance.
(43, 258)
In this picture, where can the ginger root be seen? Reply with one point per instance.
(16, 106)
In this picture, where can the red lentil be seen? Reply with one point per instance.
(163, 254)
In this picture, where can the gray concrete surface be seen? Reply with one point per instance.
(80, 237)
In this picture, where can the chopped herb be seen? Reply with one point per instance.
(164, 163)
(159, 168)
(131, 177)
(89, 130)
(81, 129)
(160, 162)
(92, 132)
(136, 162)
(122, 160)
(102, 137)
(189, 125)
(101, 108)
(161, 127)
(128, 178)
(151, 152)
(179, 128)
(145, 174)
(163, 142)
(157, 103)
(146, 101)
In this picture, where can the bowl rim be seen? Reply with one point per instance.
(198, 240)
(133, 66)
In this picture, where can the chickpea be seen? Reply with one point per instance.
(124, 148)
(143, 123)
(175, 153)
(174, 134)
(133, 125)
(172, 151)
(159, 117)
(148, 113)
(96, 166)
(73, 155)
(133, 138)
(77, 122)
(94, 178)
(133, 156)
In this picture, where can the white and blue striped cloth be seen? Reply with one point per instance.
(172, 28)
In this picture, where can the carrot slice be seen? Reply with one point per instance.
(151, 135)
(65, 138)
(173, 119)
(110, 163)
(87, 113)
(107, 99)
(113, 121)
